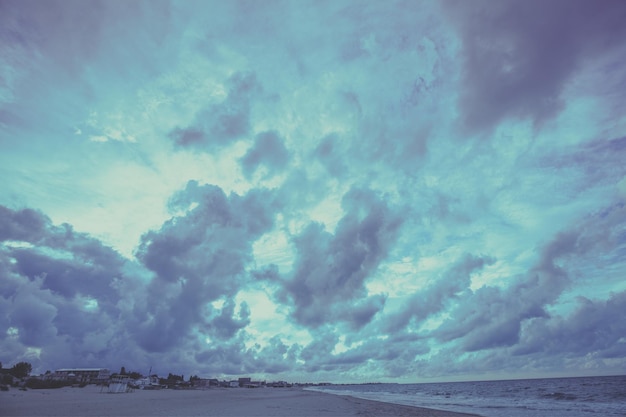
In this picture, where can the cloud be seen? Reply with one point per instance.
(225, 325)
(75, 264)
(60, 288)
(25, 225)
(492, 317)
(388, 248)
(519, 56)
(70, 263)
(224, 359)
(276, 356)
(187, 137)
(330, 270)
(198, 258)
(330, 155)
(510, 325)
(595, 162)
(438, 296)
(268, 151)
(68, 294)
(594, 327)
(67, 34)
(32, 318)
(58, 49)
(220, 124)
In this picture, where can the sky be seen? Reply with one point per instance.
(342, 191)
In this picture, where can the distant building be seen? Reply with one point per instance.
(279, 384)
(81, 375)
(149, 382)
(244, 381)
(206, 383)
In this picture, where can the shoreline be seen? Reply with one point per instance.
(411, 410)
(228, 402)
(381, 408)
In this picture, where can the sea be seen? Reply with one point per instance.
(603, 396)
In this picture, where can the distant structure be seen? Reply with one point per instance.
(279, 384)
(206, 382)
(119, 384)
(149, 382)
(81, 375)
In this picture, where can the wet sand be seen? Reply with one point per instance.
(236, 402)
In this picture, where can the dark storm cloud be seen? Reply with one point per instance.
(226, 323)
(59, 287)
(276, 356)
(494, 317)
(89, 270)
(67, 277)
(198, 258)
(33, 319)
(394, 353)
(319, 350)
(330, 269)
(519, 55)
(269, 151)
(232, 357)
(226, 358)
(433, 299)
(68, 293)
(361, 313)
(221, 123)
(25, 225)
(73, 321)
(595, 326)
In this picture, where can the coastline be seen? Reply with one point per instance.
(90, 401)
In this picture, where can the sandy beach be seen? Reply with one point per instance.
(90, 401)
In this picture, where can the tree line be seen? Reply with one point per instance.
(22, 370)
(19, 370)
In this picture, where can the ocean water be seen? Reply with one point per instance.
(553, 397)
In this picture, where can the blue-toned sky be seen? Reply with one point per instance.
(314, 190)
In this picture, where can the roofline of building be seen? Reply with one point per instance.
(81, 369)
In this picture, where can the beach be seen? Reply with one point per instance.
(260, 402)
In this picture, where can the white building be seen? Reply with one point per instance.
(82, 375)
(149, 382)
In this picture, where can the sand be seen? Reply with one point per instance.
(233, 402)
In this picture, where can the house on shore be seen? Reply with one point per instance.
(206, 382)
(80, 375)
(279, 384)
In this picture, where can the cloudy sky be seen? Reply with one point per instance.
(314, 190)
